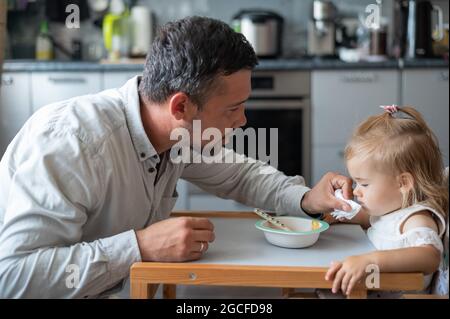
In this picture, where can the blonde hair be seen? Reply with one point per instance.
(399, 143)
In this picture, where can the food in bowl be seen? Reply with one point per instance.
(305, 231)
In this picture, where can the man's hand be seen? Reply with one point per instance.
(321, 198)
(175, 239)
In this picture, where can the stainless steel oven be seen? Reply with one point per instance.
(281, 100)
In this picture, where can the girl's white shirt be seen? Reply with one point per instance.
(385, 231)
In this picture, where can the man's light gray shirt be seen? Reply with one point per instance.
(78, 180)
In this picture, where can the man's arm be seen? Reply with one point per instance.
(249, 184)
(51, 188)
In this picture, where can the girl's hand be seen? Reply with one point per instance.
(347, 274)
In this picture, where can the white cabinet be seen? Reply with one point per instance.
(117, 79)
(210, 203)
(340, 101)
(328, 159)
(15, 105)
(50, 87)
(199, 200)
(427, 91)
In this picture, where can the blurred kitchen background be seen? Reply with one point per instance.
(27, 19)
(324, 66)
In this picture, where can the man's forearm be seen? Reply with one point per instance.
(248, 184)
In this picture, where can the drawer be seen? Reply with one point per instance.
(113, 80)
(58, 86)
(15, 105)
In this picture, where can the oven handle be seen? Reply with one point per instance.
(275, 104)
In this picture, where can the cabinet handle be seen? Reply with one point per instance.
(444, 76)
(7, 81)
(341, 154)
(360, 78)
(67, 80)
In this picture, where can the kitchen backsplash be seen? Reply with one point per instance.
(295, 12)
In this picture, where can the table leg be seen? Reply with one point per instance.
(358, 293)
(287, 292)
(169, 291)
(142, 290)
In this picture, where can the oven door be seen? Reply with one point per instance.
(291, 117)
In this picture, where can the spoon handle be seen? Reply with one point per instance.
(271, 219)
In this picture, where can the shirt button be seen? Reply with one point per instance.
(151, 170)
(142, 154)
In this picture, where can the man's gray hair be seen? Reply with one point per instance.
(188, 55)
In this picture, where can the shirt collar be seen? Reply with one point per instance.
(144, 149)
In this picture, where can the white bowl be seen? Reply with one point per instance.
(302, 235)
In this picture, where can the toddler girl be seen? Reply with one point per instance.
(395, 161)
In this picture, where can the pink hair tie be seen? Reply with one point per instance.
(391, 109)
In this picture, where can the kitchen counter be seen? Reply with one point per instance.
(265, 65)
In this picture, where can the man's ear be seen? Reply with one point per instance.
(406, 182)
(181, 107)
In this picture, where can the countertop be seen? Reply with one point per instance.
(264, 65)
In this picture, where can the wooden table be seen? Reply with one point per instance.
(240, 256)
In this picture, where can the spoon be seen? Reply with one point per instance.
(271, 219)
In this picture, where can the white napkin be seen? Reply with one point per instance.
(340, 213)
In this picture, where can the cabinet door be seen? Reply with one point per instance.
(342, 99)
(115, 79)
(427, 91)
(15, 106)
(58, 86)
(327, 159)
